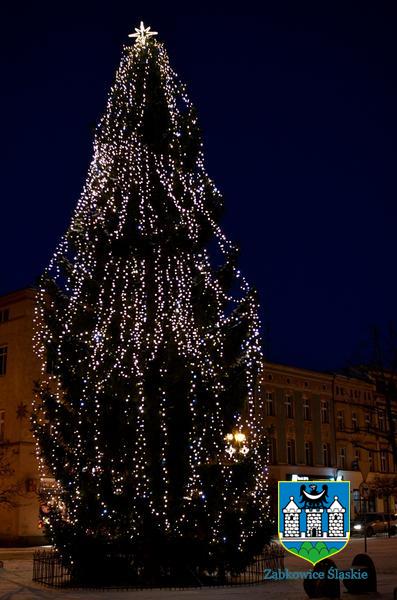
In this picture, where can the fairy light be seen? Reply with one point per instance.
(147, 293)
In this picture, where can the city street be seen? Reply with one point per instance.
(16, 584)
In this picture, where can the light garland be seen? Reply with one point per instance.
(119, 291)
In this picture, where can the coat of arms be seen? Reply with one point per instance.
(314, 518)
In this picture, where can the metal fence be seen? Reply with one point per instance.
(49, 570)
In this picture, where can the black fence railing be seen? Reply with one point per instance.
(49, 570)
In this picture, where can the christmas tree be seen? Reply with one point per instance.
(147, 410)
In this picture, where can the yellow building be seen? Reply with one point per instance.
(362, 444)
(299, 419)
(329, 426)
(19, 523)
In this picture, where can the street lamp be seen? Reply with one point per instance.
(236, 443)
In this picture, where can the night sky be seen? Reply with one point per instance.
(298, 107)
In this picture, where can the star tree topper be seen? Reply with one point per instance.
(142, 34)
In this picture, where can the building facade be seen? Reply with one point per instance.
(329, 426)
(299, 421)
(19, 368)
(362, 442)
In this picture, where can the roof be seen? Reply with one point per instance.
(291, 506)
(336, 506)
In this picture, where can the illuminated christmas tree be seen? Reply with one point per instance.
(146, 414)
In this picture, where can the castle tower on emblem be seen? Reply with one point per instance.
(335, 519)
(314, 518)
(291, 519)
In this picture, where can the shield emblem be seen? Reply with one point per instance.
(314, 517)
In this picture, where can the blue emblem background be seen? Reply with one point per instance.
(341, 489)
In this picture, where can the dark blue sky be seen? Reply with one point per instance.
(298, 106)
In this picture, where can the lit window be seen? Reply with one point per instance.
(269, 404)
(307, 413)
(324, 411)
(383, 461)
(356, 461)
(289, 407)
(291, 452)
(3, 360)
(309, 453)
(326, 455)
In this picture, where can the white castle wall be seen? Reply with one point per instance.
(313, 521)
(335, 515)
(335, 525)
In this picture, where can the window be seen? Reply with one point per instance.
(367, 419)
(356, 460)
(324, 411)
(289, 407)
(269, 404)
(3, 360)
(309, 453)
(270, 377)
(381, 420)
(383, 461)
(337, 389)
(2, 425)
(4, 315)
(340, 420)
(326, 455)
(291, 452)
(371, 461)
(342, 458)
(307, 413)
(273, 451)
(355, 424)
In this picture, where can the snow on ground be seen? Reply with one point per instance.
(16, 579)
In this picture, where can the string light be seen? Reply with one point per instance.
(117, 292)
